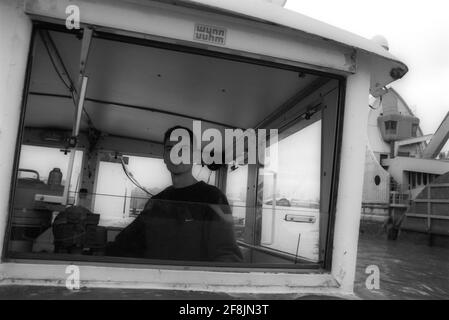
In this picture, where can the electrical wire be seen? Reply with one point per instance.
(70, 86)
(58, 72)
(132, 179)
(136, 183)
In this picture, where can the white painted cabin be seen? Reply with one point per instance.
(150, 65)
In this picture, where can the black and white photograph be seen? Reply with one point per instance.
(236, 151)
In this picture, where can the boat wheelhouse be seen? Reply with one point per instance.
(95, 101)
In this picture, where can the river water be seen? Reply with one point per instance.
(408, 270)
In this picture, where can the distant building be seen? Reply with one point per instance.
(400, 160)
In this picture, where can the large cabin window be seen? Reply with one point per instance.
(103, 185)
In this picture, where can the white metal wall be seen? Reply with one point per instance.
(349, 199)
(15, 35)
(373, 193)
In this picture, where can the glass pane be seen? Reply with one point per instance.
(180, 230)
(147, 219)
(113, 188)
(291, 195)
(44, 160)
(236, 192)
(165, 230)
(202, 173)
(123, 205)
(40, 187)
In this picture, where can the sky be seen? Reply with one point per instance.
(418, 34)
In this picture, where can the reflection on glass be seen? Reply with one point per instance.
(200, 223)
(192, 230)
(120, 200)
(291, 195)
(42, 172)
(236, 192)
(165, 230)
(44, 161)
(176, 230)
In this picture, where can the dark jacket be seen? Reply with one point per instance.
(192, 224)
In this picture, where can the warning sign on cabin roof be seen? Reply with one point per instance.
(210, 34)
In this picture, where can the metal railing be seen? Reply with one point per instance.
(399, 196)
(428, 215)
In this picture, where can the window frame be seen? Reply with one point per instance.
(234, 55)
(414, 130)
(391, 127)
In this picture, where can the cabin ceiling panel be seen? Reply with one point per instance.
(235, 93)
(204, 87)
(136, 123)
(132, 123)
(50, 112)
(58, 113)
(44, 78)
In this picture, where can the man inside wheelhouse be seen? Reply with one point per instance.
(189, 221)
